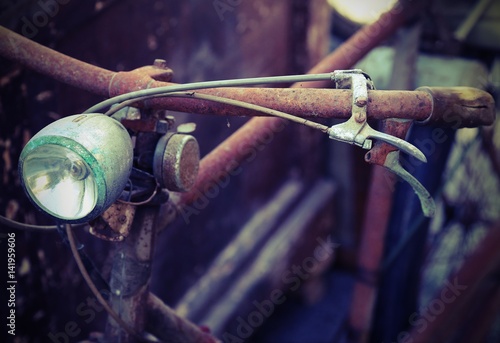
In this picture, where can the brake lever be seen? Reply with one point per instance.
(362, 135)
(390, 142)
(387, 156)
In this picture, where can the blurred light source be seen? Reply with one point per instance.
(76, 167)
(362, 11)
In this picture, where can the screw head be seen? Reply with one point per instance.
(160, 63)
(360, 117)
(361, 101)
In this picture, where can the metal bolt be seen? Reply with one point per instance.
(122, 219)
(160, 63)
(360, 116)
(361, 101)
(160, 71)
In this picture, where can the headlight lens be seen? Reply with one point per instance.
(60, 182)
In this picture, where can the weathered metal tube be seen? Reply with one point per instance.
(54, 64)
(166, 325)
(304, 102)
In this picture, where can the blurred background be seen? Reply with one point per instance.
(301, 191)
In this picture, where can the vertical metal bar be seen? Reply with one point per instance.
(378, 208)
(130, 275)
(370, 254)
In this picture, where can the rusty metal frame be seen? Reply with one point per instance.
(416, 105)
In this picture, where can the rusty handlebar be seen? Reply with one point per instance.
(457, 107)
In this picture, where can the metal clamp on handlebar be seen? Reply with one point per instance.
(357, 131)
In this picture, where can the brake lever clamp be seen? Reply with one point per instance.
(357, 131)
(349, 131)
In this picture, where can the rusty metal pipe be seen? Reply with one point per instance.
(455, 106)
(54, 64)
(166, 325)
(304, 102)
(310, 103)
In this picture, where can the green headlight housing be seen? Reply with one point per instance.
(76, 167)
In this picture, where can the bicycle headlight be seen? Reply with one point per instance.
(76, 167)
